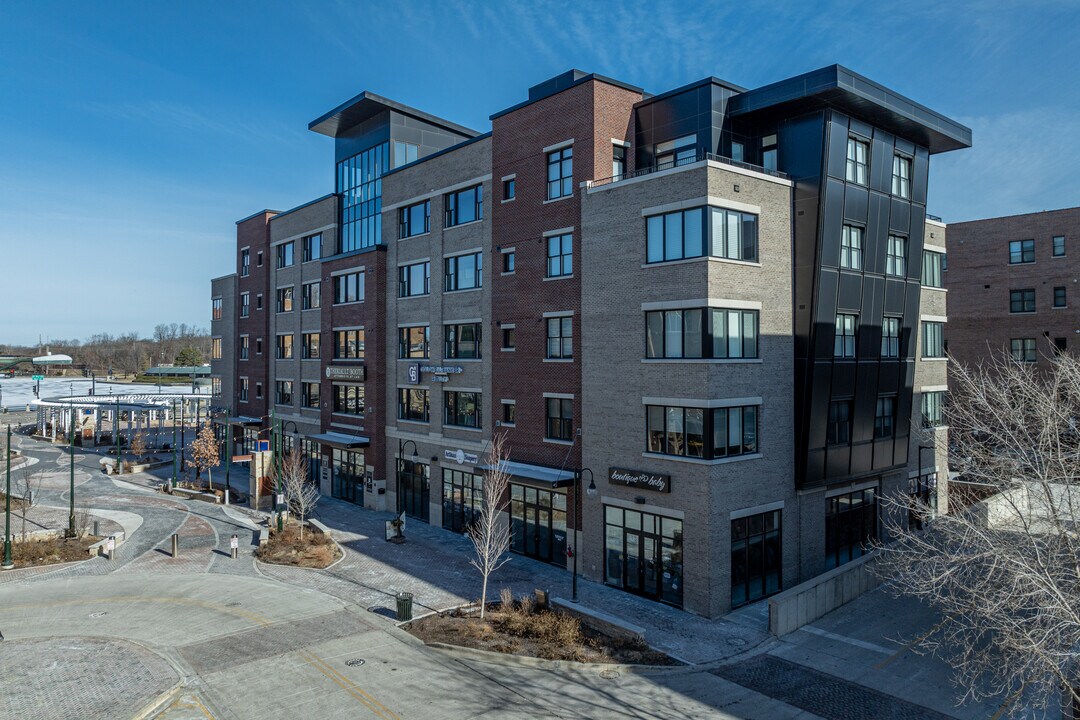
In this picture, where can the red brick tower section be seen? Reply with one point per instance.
(590, 114)
(370, 315)
(253, 234)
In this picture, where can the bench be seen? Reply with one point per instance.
(264, 536)
(99, 548)
(319, 527)
(602, 621)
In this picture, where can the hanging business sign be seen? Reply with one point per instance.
(461, 457)
(356, 373)
(639, 479)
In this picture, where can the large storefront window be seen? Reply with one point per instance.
(755, 557)
(313, 452)
(414, 489)
(643, 553)
(850, 523)
(348, 475)
(538, 523)
(463, 499)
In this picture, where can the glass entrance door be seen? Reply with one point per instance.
(643, 554)
(538, 523)
(414, 489)
(347, 481)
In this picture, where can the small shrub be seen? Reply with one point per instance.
(526, 605)
(506, 599)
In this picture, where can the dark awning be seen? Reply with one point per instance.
(538, 475)
(340, 440)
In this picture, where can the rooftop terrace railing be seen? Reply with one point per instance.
(689, 160)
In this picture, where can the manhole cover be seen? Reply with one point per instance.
(232, 604)
(99, 614)
(610, 674)
(355, 662)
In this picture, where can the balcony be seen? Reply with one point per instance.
(683, 162)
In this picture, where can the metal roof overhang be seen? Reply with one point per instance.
(367, 105)
(538, 475)
(340, 440)
(836, 86)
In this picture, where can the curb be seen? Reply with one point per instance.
(301, 567)
(527, 661)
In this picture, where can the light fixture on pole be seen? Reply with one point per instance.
(8, 563)
(578, 513)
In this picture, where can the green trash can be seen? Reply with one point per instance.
(404, 606)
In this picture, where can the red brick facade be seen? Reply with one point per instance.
(253, 233)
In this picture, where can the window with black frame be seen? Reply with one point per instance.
(885, 417)
(701, 333)
(414, 342)
(707, 433)
(414, 280)
(1021, 251)
(756, 557)
(464, 206)
(560, 419)
(858, 161)
(311, 396)
(348, 288)
(414, 405)
(850, 526)
(414, 219)
(643, 554)
(1022, 301)
(463, 499)
(414, 489)
(349, 344)
(560, 175)
(560, 338)
(285, 256)
(312, 247)
(312, 295)
(462, 342)
(464, 272)
(838, 429)
(698, 232)
(890, 337)
(462, 409)
(311, 346)
(349, 399)
(560, 256)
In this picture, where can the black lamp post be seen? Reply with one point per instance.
(578, 513)
(71, 491)
(401, 469)
(8, 563)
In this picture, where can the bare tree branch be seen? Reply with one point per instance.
(300, 495)
(490, 534)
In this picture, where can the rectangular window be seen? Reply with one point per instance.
(1059, 296)
(896, 256)
(245, 304)
(243, 389)
(405, 153)
(890, 337)
(560, 419)
(312, 295)
(933, 263)
(508, 338)
(560, 255)
(464, 272)
(284, 347)
(348, 288)
(701, 433)
(462, 341)
(1059, 345)
(311, 392)
(733, 235)
(359, 183)
(1023, 350)
(1021, 301)
(245, 344)
(413, 404)
(844, 339)
(285, 299)
(738, 151)
(464, 206)
(311, 345)
(215, 309)
(461, 409)
(463, 500)
(349, 399)
(850, 526)
(730, 334)
(509, 412)
(258, 391)
(215, 348)
(245, 263)
(618, 161)
(851, 247)
(348, 344)
(884, 417)
(414, 280)
(285, 254)
(215, 386)
(258, 346)
(509, 189)
(508, 262)
(769, 153)
(838, 430)
(414, 342)
(283, 392)
(858, 159)
(901, 176)
(756, 557)
(258, 301)
(1059, 245)
(414, 219)
(560, 173)
(1021, 251)
(560, 337)
(673, 153)
(678, 235)
(312, 247)
(933, 340)
(931, 404)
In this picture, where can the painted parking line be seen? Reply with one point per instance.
(849, 640)
(367, 700)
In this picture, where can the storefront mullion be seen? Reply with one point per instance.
(538, 523)
(414, 489)
(643, 553)
(463, 498)
(348, 475)
(755, 557)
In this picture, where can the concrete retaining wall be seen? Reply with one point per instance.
(808, 601)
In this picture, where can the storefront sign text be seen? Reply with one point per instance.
(639, 479)
(357, 373)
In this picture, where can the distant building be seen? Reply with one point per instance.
(711, 302)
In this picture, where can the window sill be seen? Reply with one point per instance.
(353, 302)
(508, 200)
(463, 290)
(413, 359)
(703, 361)
(463, 360)
(464, 224)
(558, 199)
(507, 349)
(934, 359)
(312, 260)
(312, 358)
(559, 360)
(553, 441)
(347, 360)
(282, 312)
(310, 309)
(414, 422)
(413, 297)
(1022, 263)
(347, 415)
(462, 427)
(702, 461)
(410, 237)
(932, 287)
(703, 258)
(559, 277)
(1060, 307)
(512, 272)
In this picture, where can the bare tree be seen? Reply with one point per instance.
(301, 495)
(204, 452)
(1004, 571)
(138, 445)
(490, 534)
(27, 489)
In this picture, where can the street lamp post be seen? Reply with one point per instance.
(401, 459)
(174, 473)
(591, 491)
(228, 452)
(116, 431)
(8, 563)
(71, 490)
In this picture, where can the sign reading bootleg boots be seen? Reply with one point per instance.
(356, 373)
(639, 479)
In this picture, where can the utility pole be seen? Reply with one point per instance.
(8, 563)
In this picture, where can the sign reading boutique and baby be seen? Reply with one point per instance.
(639, 479)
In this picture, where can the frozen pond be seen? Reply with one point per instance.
(15, 393)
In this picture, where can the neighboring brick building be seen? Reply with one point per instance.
(707, 306)
(1012, 285)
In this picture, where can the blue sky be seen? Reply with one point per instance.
(134, 134)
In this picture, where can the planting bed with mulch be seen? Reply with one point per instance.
(286, 548)
(518, 628)
(50, 551)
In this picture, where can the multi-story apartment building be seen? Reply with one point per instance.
(702, 312)
(1010, 280)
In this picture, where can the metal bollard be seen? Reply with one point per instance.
(234, 546)
(175, 545)
(97, 529)
(110, 546)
